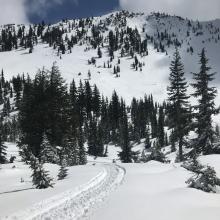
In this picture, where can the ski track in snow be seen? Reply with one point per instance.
(77, 203)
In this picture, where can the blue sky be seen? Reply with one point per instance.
(60, 9)
(34, 11)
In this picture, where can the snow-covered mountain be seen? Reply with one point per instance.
(161, 31)
(122, 51)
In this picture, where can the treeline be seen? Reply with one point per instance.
(63, 36)
(10, 96)
(54, 119)
(65, 118)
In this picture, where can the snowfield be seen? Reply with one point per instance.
(74, 204)
(71, 198)
(158, 191)
(103, 190)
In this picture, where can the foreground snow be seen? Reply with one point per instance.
(153, 191)
(74, 204)
(71, 198)
(16, 196)
(158, 191)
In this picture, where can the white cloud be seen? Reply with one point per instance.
(17, 11)
(13, 11)
(195, 9)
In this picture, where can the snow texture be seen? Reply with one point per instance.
(76, 203)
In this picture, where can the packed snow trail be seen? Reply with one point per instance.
(75, 204)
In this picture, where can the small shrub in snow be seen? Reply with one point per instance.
(144, 157)
(193, 165)
(155, 154)
(205, 178)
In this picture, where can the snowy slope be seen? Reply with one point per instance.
(154, 77)
(158, 191)
(70, 198)
(152, 190)
(16, 195)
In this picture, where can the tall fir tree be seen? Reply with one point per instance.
(95, 142)
(70, 151)
(1, 94)
(178, 99)
(147, 139)
(126, 155)
(206, 106)
(57, 98)
(82, 151)
(161, 133)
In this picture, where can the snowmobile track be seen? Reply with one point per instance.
(78, 203)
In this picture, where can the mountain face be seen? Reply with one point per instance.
(156, 131)
(122, 51)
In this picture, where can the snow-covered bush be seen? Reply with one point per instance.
(204, 179)
(193, 166)
(155, 154)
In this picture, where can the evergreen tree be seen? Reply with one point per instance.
(33, 113)
(40, 176)
(206, 106)
(99, 53)
(82, 151)
(179, 107)
(100, 144)
(154, 124)
(48, 152)
(95, 142)
(147, 140)
(217, 133)
(1, 94)
(161, 133)
(88, 98)
(17, 85)
(57, 106)
(204, 178)
(70, 151)
(126, 155)
(96, 101)
(63, 172)
(81, 103)
(74, 109)
(172, 141)
(156, 153)
(2, 147)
